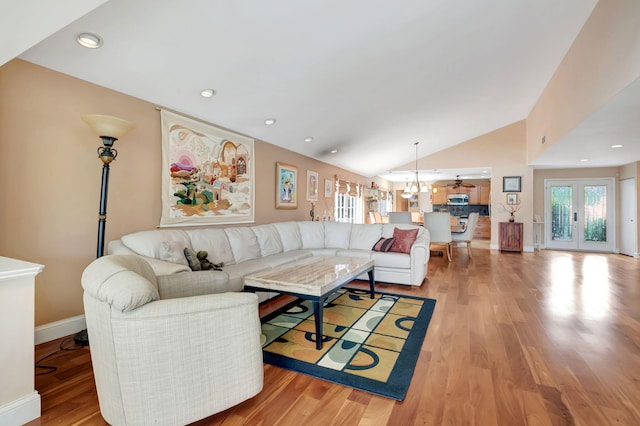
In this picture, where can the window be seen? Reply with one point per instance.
(349, 202)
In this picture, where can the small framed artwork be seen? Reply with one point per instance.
(328, 185)
(512, 199)
(413, 202)
(286, 186)
(312, 186)
(511, 183)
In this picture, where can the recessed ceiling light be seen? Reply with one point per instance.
(89, 40)
(270, 121)
(334, 151)
(207, 93)
(616, 146)
(308, 139)
(584, 160)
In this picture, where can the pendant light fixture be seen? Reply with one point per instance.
(409, 191)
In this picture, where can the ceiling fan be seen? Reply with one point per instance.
(458, 183)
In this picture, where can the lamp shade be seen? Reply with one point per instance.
(105, 125)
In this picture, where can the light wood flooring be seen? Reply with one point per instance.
(544, 338)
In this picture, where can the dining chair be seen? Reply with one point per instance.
(467, 235)
(400, 217)
(439, 226)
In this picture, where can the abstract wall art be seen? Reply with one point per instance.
(207, 174)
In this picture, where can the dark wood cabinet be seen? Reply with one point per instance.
(511, 236)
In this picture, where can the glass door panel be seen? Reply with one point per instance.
(561, 212)
(595, 213)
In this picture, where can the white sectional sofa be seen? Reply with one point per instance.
(249, 249)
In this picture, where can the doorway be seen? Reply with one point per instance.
(579, 214)
(628, 230)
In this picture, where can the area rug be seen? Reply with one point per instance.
(368, 344)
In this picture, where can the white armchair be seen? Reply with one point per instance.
(163, 351)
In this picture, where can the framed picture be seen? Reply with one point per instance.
(511, 183)
(512, 199)
(328, 186)
(286, 186)
(413, 202)
(207, 174)
(312, 186)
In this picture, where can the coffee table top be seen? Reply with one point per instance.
(314, 276)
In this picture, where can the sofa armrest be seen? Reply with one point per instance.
(194, 283)
(419, 258)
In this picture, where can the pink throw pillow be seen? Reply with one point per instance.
(403, 239)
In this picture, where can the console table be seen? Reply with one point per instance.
(510, 234)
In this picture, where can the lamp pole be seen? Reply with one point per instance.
(107, 154)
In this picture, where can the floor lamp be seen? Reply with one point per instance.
(109, 129)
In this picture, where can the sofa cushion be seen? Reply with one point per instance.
(324, 252)
(403, 239)
(244, 243)
(289, 235)
(337, 235)
(214, 241)
(312, 234)
(163, 244)
(363, 237)
(366, 254)
(237, 272)
(287, 257)
(268, 239)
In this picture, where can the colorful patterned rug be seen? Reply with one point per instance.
(368, 344)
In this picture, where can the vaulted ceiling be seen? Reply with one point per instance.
(365, 78)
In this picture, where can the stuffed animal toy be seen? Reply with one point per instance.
(205, 264)
(198, 261)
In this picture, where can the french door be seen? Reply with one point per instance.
(579, 214)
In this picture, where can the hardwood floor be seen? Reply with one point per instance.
(544, 338)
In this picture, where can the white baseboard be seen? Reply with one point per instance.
(55, 330)
(21, 411)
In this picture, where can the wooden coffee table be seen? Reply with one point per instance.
(313, 279)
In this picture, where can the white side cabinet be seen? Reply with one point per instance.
(19, 401)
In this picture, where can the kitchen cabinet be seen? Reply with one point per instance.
(510, 236)
(480, 194)
(460, 190)
(484, 194)
(473, 195)
(439, 196)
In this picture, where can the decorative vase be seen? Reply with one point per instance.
(512, 218)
